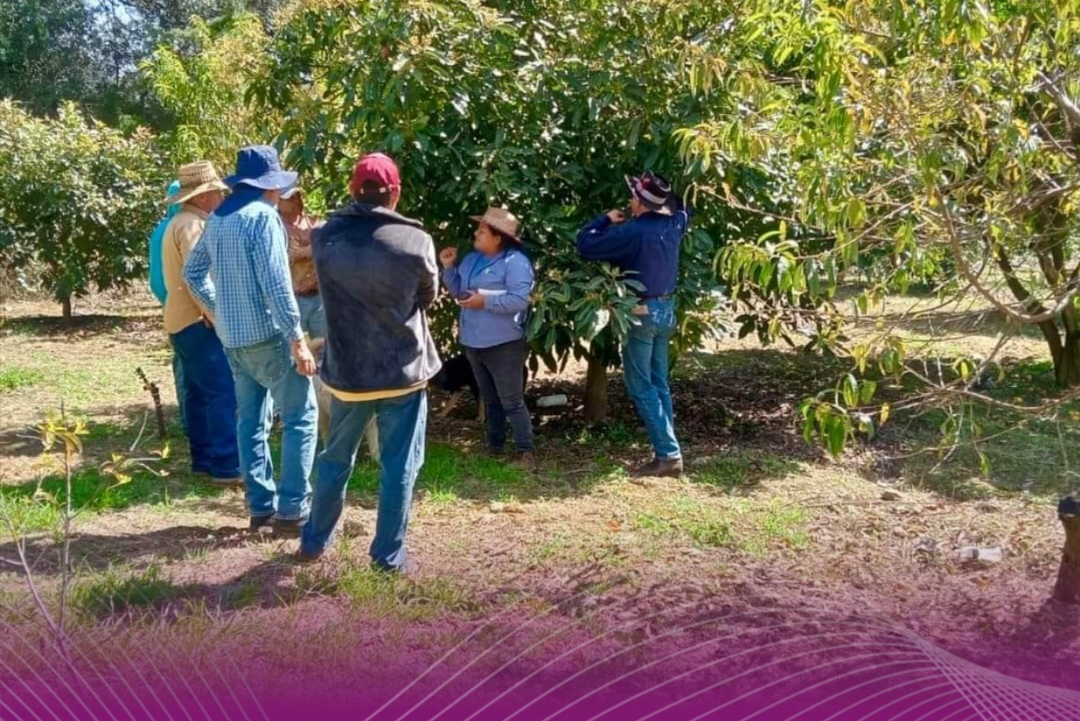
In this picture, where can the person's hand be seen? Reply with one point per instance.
(448, 257)
(302, 357)
(208, 321)
(616, 216)
(473, 301)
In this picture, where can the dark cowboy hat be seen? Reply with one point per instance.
(654, 191)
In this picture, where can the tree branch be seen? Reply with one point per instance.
(1040, 317)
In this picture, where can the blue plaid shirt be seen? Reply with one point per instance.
(240, 272)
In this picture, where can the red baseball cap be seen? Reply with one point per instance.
(378, 168)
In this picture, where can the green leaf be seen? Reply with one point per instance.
(867, 391)
(851, 391)
(837, 435)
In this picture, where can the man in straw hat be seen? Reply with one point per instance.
(646, 248)
(209, 401)
(241, 272)
(378, 277)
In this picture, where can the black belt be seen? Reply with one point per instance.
(665, 296)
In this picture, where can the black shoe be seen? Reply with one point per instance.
(258, 523)
(289, 529)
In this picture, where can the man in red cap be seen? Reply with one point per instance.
(378, 276)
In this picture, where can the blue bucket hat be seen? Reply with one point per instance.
(258, 166)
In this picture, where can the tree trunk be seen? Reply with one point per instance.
(1067, 589)
(1064, 346)
(65, 304)
(1067, 361)
(596, 399)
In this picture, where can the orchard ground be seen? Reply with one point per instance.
(762, 521)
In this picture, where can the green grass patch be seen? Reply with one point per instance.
(243, 595)
(448, 475)
(12, 379)
(119, 590)
(94, 491)
(615, 433)
(777, 524)
(382, 595)
(732, 471)
(1007, 455)
(28, 514)
(87, 376)
(687, 518)
(747, 526)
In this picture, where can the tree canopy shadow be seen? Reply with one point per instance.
(83, 325)
(98, 552)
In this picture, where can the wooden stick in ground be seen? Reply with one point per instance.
(1067, 589)
(155, 395)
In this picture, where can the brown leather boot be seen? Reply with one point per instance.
(662, 468)
(526, 461)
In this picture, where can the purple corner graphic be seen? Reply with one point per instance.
(533, 661)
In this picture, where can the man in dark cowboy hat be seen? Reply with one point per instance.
(646, 247)
(378, 277)
(240, 271)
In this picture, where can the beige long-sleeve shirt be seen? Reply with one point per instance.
(181, 235)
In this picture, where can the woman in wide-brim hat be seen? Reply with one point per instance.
(492, 285)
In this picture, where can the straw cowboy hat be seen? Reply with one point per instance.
(500, 220)
(195, 179)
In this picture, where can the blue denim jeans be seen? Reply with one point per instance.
(312, 317)
(209, 402)
(402, 423)
(645, 368)
(178, 381)
(263, 373)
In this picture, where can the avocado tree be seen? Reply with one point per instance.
(77, 200)
(904, 142)
(540, 107)
(199, 78)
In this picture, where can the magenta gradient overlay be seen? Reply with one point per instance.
(768, 664)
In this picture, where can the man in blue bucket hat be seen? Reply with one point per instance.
(240, 272)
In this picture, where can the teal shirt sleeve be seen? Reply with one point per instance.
(157, 267)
